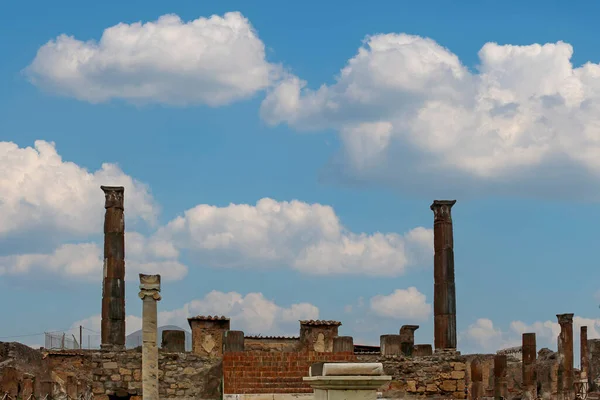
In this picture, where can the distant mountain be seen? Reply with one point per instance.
(135, 339)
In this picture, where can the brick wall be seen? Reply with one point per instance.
(253, 372)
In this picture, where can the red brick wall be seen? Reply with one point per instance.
(261, 372)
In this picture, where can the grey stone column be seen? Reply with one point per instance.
(150, 294)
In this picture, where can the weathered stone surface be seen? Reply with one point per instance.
(444, 295)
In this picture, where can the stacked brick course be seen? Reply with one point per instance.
(254, 372)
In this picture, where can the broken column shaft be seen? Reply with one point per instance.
(583, 353)
(150, 294)
(476, 380)
(444, 295)
(113, 282)
(500, 383)
(565, 347)
(529, 355)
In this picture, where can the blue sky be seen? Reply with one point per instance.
(229, 110)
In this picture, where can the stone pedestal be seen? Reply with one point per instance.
(346, 381)
(150, 294)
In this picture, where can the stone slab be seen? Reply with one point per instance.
(350, 369)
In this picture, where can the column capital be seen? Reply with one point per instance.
(408, 328)
(564, 318)
(442, 209)
(150, 286)
(113, 196)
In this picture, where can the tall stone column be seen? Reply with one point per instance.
(583, 353)
(113, 283)
(529, 355)
(150, 294)
(565, 349)
(444, 295)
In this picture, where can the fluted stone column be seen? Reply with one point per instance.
(565, 350)
(150, 294)
(112, 329)
(444, 295)
(529, 355)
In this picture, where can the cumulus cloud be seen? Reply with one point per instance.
(408, 304)
(39, 191)
(252, 313)
(84, 261)
(61, 202)
(485, 337)
(213, 61)
(526, 120)
(307, 237)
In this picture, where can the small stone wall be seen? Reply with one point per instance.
(430, 376)
(181, 375)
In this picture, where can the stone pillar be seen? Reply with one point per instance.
(565, 348)
(390, 345)
(113, 282)
(317, 335)
(407, 339)
(476, 380)
(500, 384)
(173, 341)
(343, 344)
(444, 295)
(346, 381)
(584, 354)
(150, 294)
(207, 334)
(233, 341)
(529, 355)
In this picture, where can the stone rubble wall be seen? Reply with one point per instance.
(431, 376)
(181, 375)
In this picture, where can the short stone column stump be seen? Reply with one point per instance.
(346, 381)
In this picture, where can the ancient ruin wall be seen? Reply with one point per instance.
(254, 372)
(271, 344)
(418, 377)
(181, 375)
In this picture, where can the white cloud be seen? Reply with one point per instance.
(61, 203)
(252, 313)
(41, 192)
(526, 120)
(85, 260)
(214, 61)
(484, 336)
(307, 237)
(407, 304)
